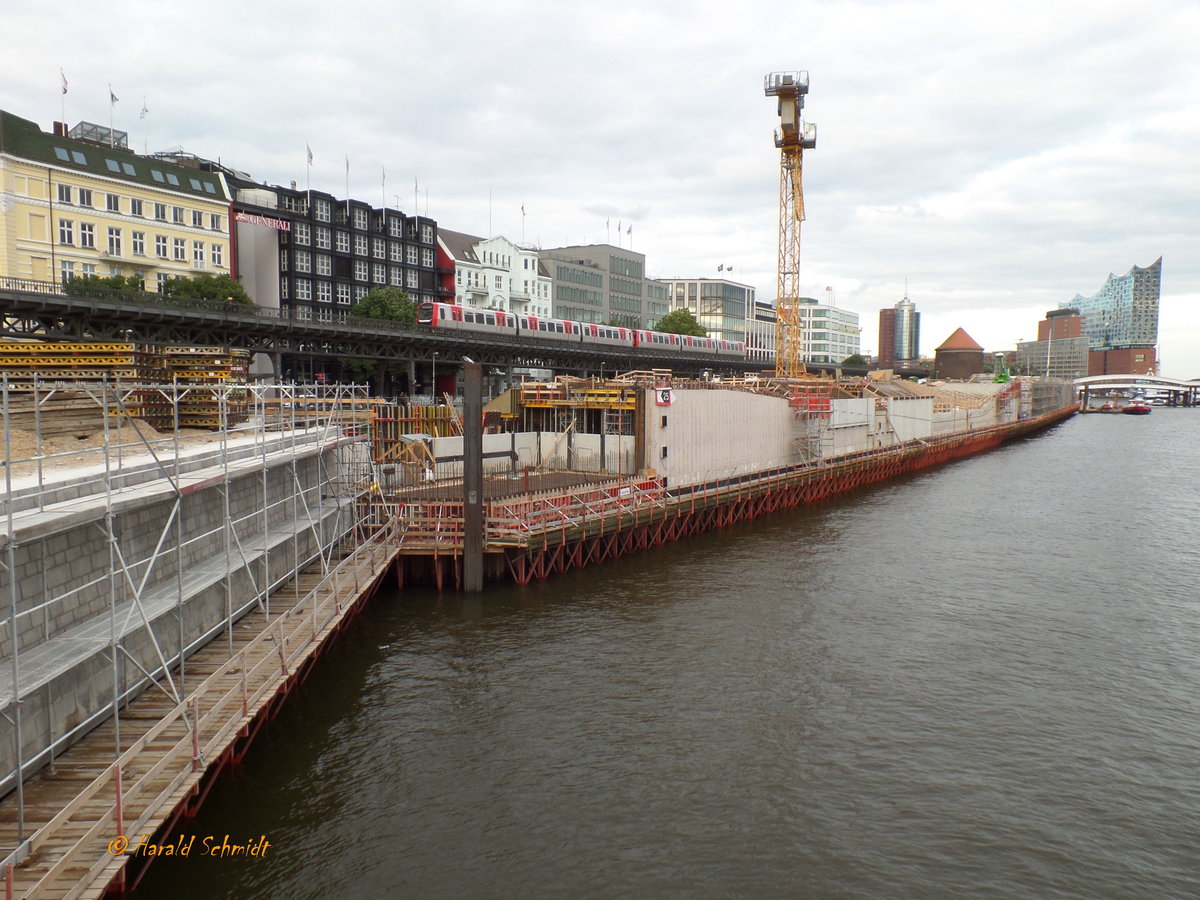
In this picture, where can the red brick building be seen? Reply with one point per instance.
(958, 358)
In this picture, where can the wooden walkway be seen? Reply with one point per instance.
(85, 816)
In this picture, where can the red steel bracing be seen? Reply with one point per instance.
(569, 546)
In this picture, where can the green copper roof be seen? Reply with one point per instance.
(25, 140)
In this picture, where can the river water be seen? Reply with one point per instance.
(980, 681)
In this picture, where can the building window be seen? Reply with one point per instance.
(396, 276)
(303, 261)
(113, 202)
(197, 219)
(359, 217)
(87, 235)
(378, 250)
(380, 273)
(67, 269)
(427, 234)
(64, 193)
(138, 241)
(160, 211)
(303, 289)
(114, 242)
(410, 255)
(343, 293)
(343, 242)
(87, 268)
(321, 210)
(283, 288)
(177, 215)
(324, 292)
(135, 207)
(360, 270)
(215, 221)
(324, 313)
(301, 233)
(66, 231)
(179, 246)
(162, 280)
(396, 252)
(85, 196)
(360, 245)
(410, 276)
(324, 264)
(427, 258)
(218, 255)
(322, 237)
(160, 246)
(198, 254)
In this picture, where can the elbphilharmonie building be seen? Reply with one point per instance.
(1123, 316)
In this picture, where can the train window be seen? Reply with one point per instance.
(456, 314)
(490, 320)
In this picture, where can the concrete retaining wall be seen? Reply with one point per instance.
(146, 559)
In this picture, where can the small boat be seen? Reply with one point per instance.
(1136, 409)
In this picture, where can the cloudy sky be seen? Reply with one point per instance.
(996, 159)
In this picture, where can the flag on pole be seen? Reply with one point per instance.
(308, 149)
(112, 98)
(347, 165)
(522, 209)
(629, 230)
(145, 110)
(721, 267)
(64, 80)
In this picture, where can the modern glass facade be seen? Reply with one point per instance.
(720, 306)
(907, 334)
(1124, 313)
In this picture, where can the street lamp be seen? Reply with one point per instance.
(433, 377)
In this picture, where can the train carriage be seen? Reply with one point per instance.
(452, 317)
(554, 329)
(466, 318)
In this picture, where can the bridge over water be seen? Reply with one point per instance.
(1179, 393)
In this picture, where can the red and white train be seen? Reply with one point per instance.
(450, 317)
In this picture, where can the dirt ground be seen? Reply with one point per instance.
(85, 447)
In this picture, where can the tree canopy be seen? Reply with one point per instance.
(854, 359)
(389, 304)
(86, 285)
(680, 321)
(208, 287)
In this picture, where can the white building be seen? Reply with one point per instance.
(495, 273)
(828, 334)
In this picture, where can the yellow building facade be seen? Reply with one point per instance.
(82, 204)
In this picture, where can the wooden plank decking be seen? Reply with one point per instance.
(79, 813)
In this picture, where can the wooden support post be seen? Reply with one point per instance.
(120, 811)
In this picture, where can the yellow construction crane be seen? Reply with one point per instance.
(792, 137)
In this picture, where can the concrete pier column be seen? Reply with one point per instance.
(472, 476)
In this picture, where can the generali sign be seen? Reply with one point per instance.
(267, 221)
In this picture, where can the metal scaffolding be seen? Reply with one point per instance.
(299, 458)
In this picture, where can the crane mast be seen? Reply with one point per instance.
(792, 137)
